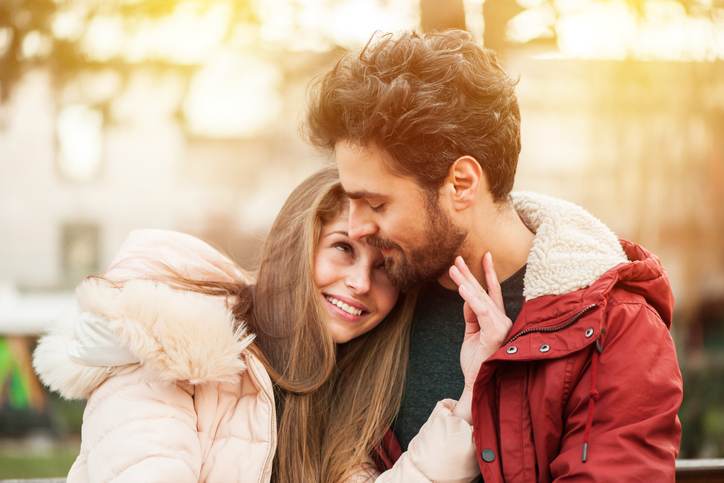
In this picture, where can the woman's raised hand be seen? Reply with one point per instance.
(486, 325)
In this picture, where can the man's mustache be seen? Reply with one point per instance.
(381, 243)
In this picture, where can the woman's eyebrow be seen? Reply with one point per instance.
(338, 232)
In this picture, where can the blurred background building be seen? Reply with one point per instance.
(185, 115)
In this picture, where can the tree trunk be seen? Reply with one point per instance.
(497, 14)
(437, 15)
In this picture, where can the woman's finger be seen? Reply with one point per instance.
(474, 284)
(479, 306)
(491, 280)
(456, 276)
(463, 267)
(473, 292)
(471, 320)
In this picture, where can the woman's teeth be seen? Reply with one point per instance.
(347, 308)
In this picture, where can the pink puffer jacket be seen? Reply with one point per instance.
(173, 393)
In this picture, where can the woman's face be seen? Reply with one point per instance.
(352, 282)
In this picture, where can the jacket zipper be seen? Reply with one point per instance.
(556, 328)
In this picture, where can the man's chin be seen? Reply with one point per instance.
(404, 276)
(440, 272)
(403, 282)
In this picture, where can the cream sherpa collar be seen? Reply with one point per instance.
(571, 249)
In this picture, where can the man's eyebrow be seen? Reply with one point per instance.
(338, 232)
(356, 195)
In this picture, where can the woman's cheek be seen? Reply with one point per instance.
(323, 271)
(388, 294)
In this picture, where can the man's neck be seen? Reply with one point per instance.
(505, 236)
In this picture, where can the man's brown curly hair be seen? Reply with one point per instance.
(426, 99)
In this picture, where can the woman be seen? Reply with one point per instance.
(193, 373)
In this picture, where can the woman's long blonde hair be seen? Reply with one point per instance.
(334, 403)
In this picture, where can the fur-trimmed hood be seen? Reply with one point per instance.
(175, 335)
(571, 248)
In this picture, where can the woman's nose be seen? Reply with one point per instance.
(358, 278)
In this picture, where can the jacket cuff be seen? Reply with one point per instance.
(444, 448)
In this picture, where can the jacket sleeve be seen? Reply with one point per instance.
(443, 451)
(632, 399)
(139, 431)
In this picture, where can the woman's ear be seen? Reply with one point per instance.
(465, 179)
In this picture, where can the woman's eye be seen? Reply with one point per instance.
(377, 207)
(343, 247)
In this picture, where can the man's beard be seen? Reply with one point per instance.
(442, 241)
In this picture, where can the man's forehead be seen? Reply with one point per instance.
(361, 183)
(364, 171)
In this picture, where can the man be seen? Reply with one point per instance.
(425, 130)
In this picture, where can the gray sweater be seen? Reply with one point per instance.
(433, 371)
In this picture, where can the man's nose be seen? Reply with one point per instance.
(359, 225)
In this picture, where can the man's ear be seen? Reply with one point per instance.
(466, 178)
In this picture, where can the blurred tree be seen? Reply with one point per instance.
(497, 14)
(18, 20)
(54, 35)
(436, 15)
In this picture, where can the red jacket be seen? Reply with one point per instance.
(587, 387)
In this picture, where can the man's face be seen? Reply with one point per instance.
(416, 235)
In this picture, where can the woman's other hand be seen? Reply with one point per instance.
(486, 325)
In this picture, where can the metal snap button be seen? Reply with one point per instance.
(512, 349)
(589, 332)
(545, 348)
(488, 455)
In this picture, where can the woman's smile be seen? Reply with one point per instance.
(346, 308)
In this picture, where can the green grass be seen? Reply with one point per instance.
(54, 463)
